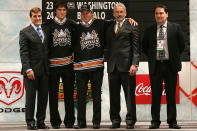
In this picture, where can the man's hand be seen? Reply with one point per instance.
(133, 70)
(30, 75)
(133, 22)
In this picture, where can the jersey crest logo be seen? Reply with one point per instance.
(89, 40)
(61, 38)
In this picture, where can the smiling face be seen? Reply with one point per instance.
(119, 13)
(61, 12)
(36, 18)
(86, 15)
(160, 16)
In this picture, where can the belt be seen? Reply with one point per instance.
(162, 61)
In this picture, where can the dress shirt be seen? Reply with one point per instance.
(87, 24)
(35, 28)
(116, 27)
(59, 21)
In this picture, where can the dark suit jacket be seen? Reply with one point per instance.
(123, 49)
(176, 45)
(33, 52)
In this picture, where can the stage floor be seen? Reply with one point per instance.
(140, 126)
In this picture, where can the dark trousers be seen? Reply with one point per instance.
(163, 72)
(116, 79)
(82, 78)
(39, 85)
(68, 84)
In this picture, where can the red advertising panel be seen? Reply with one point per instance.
(143, 90)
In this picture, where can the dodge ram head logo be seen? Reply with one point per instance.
(11, 87)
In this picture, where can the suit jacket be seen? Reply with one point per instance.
(33, 53)
(123, 49)
(176, 45)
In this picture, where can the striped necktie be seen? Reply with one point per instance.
(118, 29)
(39, 33)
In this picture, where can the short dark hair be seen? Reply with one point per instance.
(162, 6)
(34, 10)
(60, 4)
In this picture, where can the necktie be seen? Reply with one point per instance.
(39, 33)
(118, 29)
(161, 33)
(161, 37)
(161, 54)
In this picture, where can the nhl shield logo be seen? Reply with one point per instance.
(11, 87)
(71, 5)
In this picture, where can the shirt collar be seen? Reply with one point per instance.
(164, 25)
(120, 22)
(60, 22)
(87, 23)
(35, 27)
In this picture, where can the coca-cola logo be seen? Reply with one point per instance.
(11, 87)
(142, 89)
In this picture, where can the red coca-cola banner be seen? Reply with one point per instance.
(143, 91)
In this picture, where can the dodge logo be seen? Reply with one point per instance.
(11, 87)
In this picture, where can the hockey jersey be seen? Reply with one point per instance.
(61, 46)
(89, 46)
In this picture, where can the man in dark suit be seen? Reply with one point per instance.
(163, 43)
(33, 53)
(123, 49)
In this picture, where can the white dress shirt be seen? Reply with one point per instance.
(116, 27)
(59, 21)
